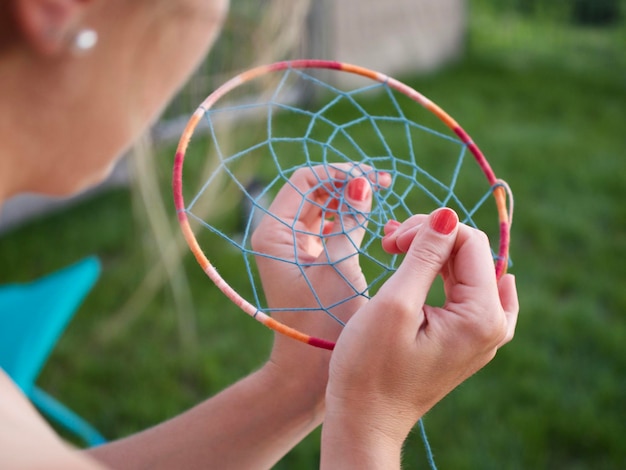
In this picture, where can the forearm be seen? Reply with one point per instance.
(252, 424)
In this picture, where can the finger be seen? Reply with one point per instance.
(473, 296)
(391, 226)
(472, 268)
(378, 179)
(430, 249)
(299, 205)
(398, 237)
(312, 189)
(508, 294)
(329, 197)
(510, 304)
(351, 221)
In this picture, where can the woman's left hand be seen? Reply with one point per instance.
(310, 260)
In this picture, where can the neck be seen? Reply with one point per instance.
(42, 103)
(8, 159)
(12, 167)
(18, 139)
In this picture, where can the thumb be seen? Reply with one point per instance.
(348, 228)
(429, 250)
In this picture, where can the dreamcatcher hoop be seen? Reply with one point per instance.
(500, 190)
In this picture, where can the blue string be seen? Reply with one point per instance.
(339, 145)
(427, 447)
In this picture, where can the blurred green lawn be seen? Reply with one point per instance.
(547, 104)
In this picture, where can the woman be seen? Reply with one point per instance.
(67, 114)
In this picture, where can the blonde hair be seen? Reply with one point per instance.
(245, 42)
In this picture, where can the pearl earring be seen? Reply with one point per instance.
(85, 40)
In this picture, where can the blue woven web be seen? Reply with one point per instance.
(369, 125)
(260, 139)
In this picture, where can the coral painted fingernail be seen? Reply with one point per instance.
(444, 221)
(358, 189)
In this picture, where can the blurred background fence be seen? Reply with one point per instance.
(403, 37)
(395, 37)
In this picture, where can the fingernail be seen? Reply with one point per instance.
(358, 189)
(384, 179)
(444, 221)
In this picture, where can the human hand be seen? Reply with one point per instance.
(397, 357)
(318, 252)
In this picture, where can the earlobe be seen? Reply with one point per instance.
(49, 26)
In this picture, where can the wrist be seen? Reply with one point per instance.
(298, 394)
(354, 441)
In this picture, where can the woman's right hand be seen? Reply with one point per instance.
(397, 357)
(307, 255)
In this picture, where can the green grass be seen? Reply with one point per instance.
(553, 126)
